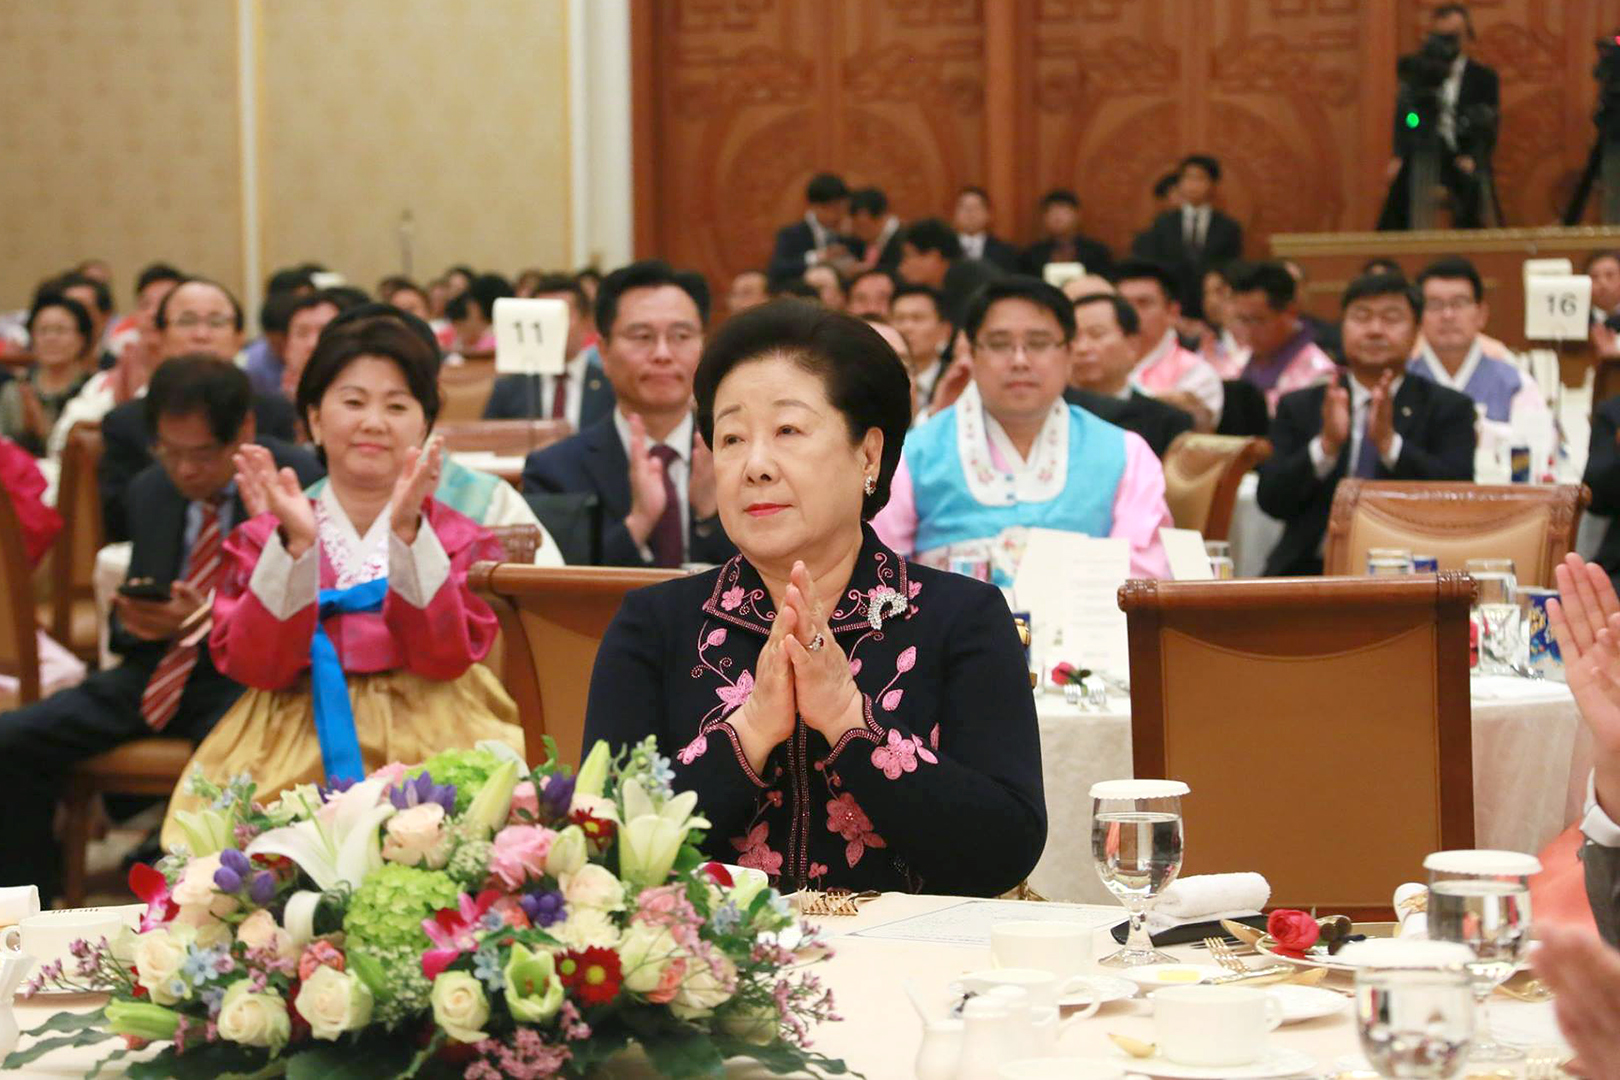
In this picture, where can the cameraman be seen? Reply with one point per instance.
(1461, 98)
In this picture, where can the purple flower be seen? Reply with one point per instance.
(545, 908)
(263, 889)
(233, 867)
(558, 795)
(422, 791)
(339, 786)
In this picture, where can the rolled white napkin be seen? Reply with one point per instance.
(1411, 908)
(1204, 897)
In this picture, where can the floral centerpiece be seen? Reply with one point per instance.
(466, 917)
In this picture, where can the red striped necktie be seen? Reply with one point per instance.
(161, 699)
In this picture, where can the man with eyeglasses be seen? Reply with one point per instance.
(197, 318)
(650, 472)
(1010, 454)
(1454, 351)
(199, 411)
(1375, 424)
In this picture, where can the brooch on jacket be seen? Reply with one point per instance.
(882, 603)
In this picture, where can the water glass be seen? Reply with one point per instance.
(1220, 559)
(1136, 842)
(1501, 629)
(1388, 562)
(1414, 1006)
(1481, 899)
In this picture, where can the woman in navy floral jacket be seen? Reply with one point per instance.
(847, 718)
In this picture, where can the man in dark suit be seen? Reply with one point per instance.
(1377, 424)
(1106, 341)
(877, 230)
(1064, 242)
(197, 318)
(1195, 237)
(652, 474)
(815, 239)
(1469, 115)
(1603, 477)
(972, 221)
(581, 395)
(167, 681)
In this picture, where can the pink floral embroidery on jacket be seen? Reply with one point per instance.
(756, 853)
(732, 598)
(734, 695)
(693, 750)
(900, 754)
(846, 818)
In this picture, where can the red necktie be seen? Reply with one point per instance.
(559, 398)
(161, 698)
(665, 540)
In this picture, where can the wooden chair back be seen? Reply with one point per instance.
(464, 390)
(552, 622)
(1323, 725)
(1532, 524)
(503, 437)
(19, 644)
(1201, 478)
(73, 560)
(520, 541)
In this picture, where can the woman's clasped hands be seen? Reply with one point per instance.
(802, 674)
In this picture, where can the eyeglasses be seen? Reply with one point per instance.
(677, 337)
(198, 455)
(1392, 316)
(1035, 347)
(213, 322)
(1456, 303)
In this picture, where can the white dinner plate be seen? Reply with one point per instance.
(1307, 1002)
(1158, 976)
(1277, 1062)
(1101, 988)
(1317, 955)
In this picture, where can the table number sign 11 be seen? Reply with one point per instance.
(531, 336)
(1557, 307)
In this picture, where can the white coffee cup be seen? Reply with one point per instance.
(50, 935)
(18, 902)
(1214, 1025)
(1061, 1068)
(1043, 987)
(1063, 948)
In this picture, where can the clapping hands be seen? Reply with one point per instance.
(1585, 620)
(263, 490)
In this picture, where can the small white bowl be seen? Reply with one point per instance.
(1158, 976)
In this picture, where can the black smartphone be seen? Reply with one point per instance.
(145, 589)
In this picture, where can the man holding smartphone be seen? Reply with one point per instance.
(183, 507)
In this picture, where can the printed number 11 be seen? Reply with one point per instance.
(539, 338)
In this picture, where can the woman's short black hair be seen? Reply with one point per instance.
(200, 384)
(81, 317)
(389, 337)
(863, 377)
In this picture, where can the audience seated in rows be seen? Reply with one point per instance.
(1165, 368)
(581, 395)
(62, 337)
(1194, 236)
(814, 239)
(1106, 343)
(1282, 352)
(1063, 242)
(971, 218)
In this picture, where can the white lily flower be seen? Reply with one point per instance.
(652, 836)
(340, 843)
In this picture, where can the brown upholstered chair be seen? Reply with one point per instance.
(505, 437)
(1532, 524)
(143, 767)
(552, 621)
(464, 389)
(520, 542)
(19, 644)
(74, 621)
(1323, 725)
(1201, 477)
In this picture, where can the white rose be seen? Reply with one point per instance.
(253, 1019)
(705, 987)
(755, 1024)
(585, 928)
(157, 957)
(196, 893)
(259, 931)
(593, 886)
(644, 953)
(460, 1007)
(416, 837)
(333, 1002)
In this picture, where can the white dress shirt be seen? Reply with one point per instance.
(1450, 90)
(972, 244)
(680, 471)
(1598, 826)
(820, 234)
(1195, 224)
(1360, 406)
(574, 389)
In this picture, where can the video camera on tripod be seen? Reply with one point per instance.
(1605, 155)
(1421, 76)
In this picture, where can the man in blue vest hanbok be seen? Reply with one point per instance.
(1010, 455)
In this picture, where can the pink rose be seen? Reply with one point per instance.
(392, 773)
(519, 853)
(525, 804)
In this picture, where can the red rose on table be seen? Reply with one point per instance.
(1293, 931)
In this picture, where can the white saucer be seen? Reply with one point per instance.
(1276, 1063)
(1158, 976)
(1306, 1002)
(1103, 988)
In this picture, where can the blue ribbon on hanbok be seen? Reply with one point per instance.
(329, 686)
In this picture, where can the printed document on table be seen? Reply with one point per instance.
(969, 922)
(1071, 582)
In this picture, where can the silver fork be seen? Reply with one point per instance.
(1224, 955)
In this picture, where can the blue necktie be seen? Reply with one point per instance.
(1367, 456)
(329, 687)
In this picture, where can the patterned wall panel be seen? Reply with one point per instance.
(120, 139)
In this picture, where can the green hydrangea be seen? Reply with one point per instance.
(467, 769)
(469, 865)
(394, 974)
(388, 908)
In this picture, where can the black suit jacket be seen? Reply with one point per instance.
(594, 461)
(127, 451)
(1436, 426)
(1001, 253)
(1156, 422)
(793, 243)
(1092, 254)
(1603, 477)
(518, 397)
(1164, 242)
(1480, 86)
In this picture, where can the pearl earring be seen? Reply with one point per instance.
(870, 487)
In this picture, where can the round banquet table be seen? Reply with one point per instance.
(880, 1033)
(1532, 756)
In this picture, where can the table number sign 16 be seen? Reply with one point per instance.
(1557, 307)
(531, 336)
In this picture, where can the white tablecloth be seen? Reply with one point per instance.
(1532, 756)
(880, 1034)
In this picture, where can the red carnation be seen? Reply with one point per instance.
(599, 831)
(593, 975)
(1294, 931)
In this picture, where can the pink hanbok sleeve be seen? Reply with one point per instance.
(453, 629)
(896, 523)
(250, 643)
(1140, 510)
